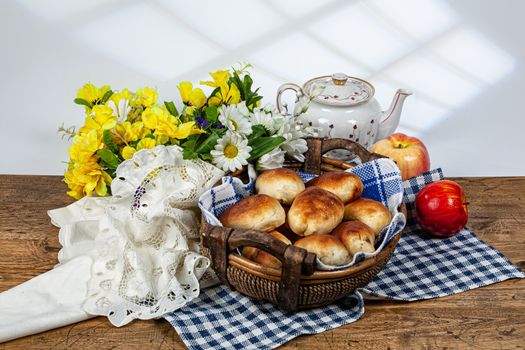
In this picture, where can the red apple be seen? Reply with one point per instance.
(441, 208)
(409, 153)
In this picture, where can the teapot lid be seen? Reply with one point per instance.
(340, 90)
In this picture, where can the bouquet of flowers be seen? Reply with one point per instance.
(227, 127)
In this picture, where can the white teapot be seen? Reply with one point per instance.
(346, 108)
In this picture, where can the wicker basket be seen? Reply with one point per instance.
(297, 285)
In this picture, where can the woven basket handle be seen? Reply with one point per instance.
(295, 261)
(317, 147)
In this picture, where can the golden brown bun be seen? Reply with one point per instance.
(315, 211)
(328, 248)
(343, 184)
(262, 257)
(281, 184)
(258, 212)
(356, 236)
(369, 212)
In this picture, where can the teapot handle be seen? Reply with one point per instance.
(288, 86)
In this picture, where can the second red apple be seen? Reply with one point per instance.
(408, 152)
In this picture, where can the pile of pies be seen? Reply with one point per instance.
(325, 216)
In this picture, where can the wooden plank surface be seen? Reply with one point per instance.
(491, 317)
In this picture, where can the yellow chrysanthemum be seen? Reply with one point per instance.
(146, 143)
(128, 132)
(101, 118)
(152, 117)
(163, 123)
(85, 178)
(162, 139)
(190, 96)
(147, 96)
(84, 146)
(91, 93)
(76, 189)
(128, 152)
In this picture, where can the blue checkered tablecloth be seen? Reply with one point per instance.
(421, 268)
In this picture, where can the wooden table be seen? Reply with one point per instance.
(492, 317)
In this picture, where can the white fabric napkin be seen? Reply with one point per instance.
(53, 299)
(132, 255)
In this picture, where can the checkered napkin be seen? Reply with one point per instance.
(423, 268)
(420, 268)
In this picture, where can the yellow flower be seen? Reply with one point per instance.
(84, 146)
(146, 143)
(125, 94)
(220, 78)
(128, 132)
(152, 117)
(163, 123)
(162, 139)
(228, 94)
(128, 152)
(194, 97)
(76, 189)
(100, 119)
(86, 178)
(190, 111)
(185, 88)
(147, 96)
(186, 129)
(91, 93)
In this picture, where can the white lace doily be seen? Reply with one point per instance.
(144, 240)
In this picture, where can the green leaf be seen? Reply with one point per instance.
(109, 158)
(113, 147)
(258, 131)
(248, 81)
(212, 114)
(150, 136)
(235, 79)
(189, 144)
(81, 101)
(264, 145)
(170, 106)
(106, 96)
(207, 157)
(189, 154)
(209, 143)
(214, 92)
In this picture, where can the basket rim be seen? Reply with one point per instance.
(318, 276)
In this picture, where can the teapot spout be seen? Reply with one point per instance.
(391, 117)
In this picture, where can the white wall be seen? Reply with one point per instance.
(49, 48)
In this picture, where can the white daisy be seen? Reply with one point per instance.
(231, 152)
(264, 118)
(243, 109)
(295, 148)
(271, 160)
(234, 120)
(294, 145)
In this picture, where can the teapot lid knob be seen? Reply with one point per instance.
(339, 78)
